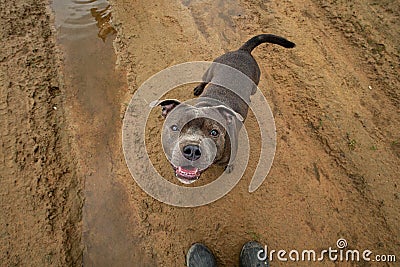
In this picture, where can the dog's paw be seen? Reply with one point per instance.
(198, 90)
(229, 168)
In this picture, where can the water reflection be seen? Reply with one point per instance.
(103, 19)
(75, 19)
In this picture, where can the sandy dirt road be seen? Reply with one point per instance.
(40, 200)
(336, 103)
(335, 99)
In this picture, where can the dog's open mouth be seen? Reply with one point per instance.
(187, 175)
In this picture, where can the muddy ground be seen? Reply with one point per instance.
(336, 102)
(40, 199)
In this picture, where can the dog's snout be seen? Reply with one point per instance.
(191, 152)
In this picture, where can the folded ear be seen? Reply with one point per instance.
(167, 105)
(234, 123)
(229, 114)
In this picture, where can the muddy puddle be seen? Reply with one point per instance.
(93, 106)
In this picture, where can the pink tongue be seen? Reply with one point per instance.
(186, 172)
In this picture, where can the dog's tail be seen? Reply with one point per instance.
(266, 38)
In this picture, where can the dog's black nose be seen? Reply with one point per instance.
(191, 152)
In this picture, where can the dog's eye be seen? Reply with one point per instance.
(214, 133)
(174, 128)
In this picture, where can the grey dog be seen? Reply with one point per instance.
(205, 131)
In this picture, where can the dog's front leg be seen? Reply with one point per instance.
(198, 90)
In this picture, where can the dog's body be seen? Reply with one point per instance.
(212, 122)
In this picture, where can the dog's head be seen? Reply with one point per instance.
(196, 136)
